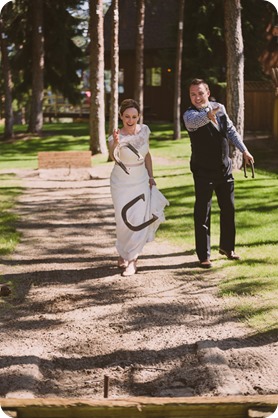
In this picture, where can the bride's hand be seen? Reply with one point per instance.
(116, 136)
(152, 182)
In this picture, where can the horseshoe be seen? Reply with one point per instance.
(252, 169)
(144, 224)
(122, 165)
(136, 152)
(119, 162)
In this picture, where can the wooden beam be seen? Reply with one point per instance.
(140, 407)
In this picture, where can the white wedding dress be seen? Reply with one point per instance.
(130, 216)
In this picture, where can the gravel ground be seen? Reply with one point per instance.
(72, 319)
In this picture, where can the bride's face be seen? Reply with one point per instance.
(130, 117)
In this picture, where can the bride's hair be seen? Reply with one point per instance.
(127, 104)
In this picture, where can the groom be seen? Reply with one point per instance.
(210, 130)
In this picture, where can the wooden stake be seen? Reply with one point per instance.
(106, 386)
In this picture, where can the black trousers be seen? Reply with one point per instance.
(224, 190)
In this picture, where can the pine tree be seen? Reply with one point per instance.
(114, 107)
(235, 71)
(97, 109)
(139, 57)
(8, 130)
(36, 114)
(178, 72)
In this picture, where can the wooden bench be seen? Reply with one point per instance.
(64, 159)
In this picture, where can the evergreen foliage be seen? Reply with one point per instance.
(204, 39)
(64, 60)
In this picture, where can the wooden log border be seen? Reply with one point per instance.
(142, 407)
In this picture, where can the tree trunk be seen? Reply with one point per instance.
(97, 107)
(114, 106)
(235, 71)
(178, 70)
(114, 93)
(36, 115)
(139, 57)
(274, 76)
(8, 130)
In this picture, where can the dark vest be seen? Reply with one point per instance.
(210, 151)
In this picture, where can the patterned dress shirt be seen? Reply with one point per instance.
(196, 118)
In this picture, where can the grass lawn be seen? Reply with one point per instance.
(9, 237)
(249, 285)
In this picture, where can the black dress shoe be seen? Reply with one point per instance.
(231, 255)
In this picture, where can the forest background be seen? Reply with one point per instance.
(46, 47)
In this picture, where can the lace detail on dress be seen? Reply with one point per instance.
(138, 140)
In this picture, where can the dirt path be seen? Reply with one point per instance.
(73, 319)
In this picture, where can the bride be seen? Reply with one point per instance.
(139, 205)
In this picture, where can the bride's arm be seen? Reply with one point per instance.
(113, 143)
(149, 167)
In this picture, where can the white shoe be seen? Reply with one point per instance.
(130, 269)
(122, 263)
